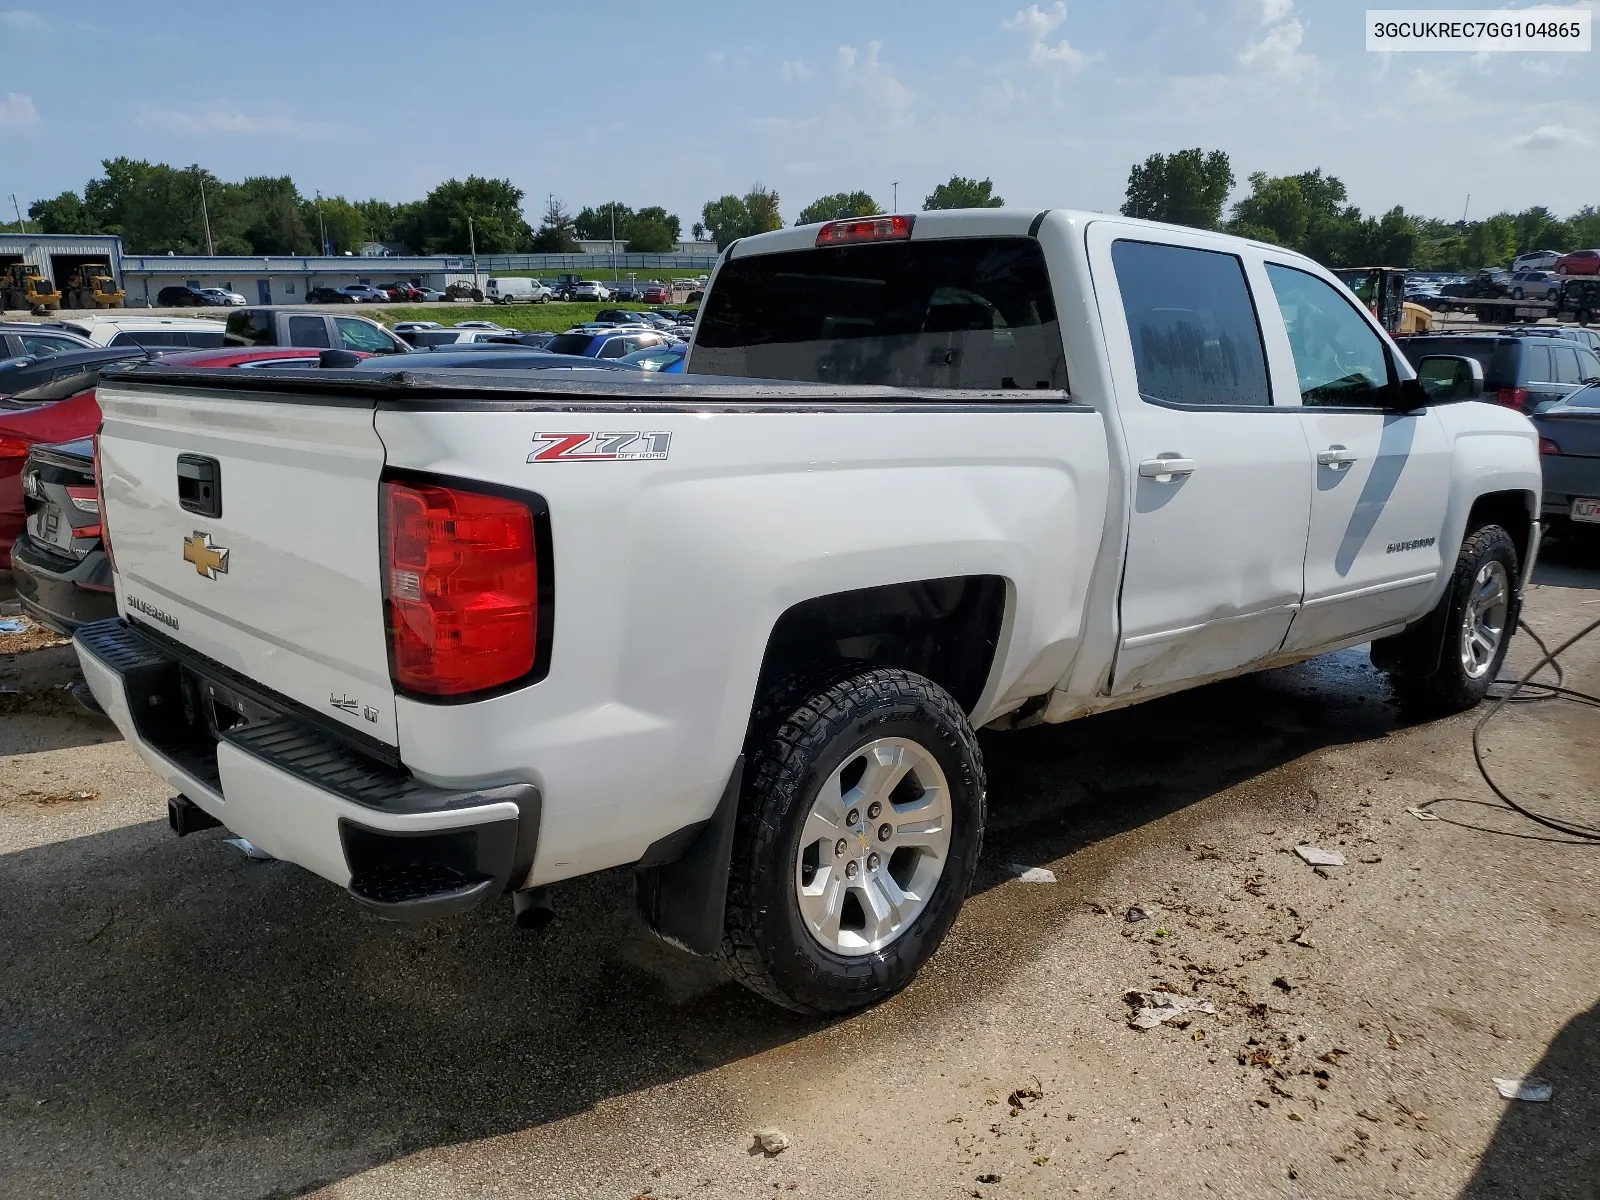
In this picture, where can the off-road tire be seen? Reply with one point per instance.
(1448, 688)
(798, 738)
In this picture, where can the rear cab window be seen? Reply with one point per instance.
(252, 328)
(969, 313)
(309, 331)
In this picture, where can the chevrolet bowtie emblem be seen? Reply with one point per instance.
(208, 560)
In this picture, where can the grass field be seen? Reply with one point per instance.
(556, 316)
(639, 275)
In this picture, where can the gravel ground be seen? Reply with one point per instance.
(177, 1020)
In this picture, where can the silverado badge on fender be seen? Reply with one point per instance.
(208, 560)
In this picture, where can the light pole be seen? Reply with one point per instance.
(206, 218)
(896, 186)
(613, 241)
(322, 229)
(21, 224)
(472, 242)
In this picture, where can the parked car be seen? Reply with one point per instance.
(656, 293)
(496, 356)
(428, 294)
(763, 689)
(1525, 371)
(1534, 285)
(291, 325)
(605, 343)
(20, 375)
(190, 333)
(181, 295)
(223, 297)
(1569, 454)
(1578, 262)
(630, 292)
(59, 563)
(507, 289)
(403, 326)
(591, 289)
(20, 339)
(1488, 284)
(1584, 337)
(361, 293)
(402, 290)
(327, 295)
(434, 338)
(617, 316)
(1536, 260)
(480, 325)
(666, 359)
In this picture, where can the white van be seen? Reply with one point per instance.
(165, 332)
(514, 287)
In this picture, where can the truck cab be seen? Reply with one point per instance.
(296, 327)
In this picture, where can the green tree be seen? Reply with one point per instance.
(274, 216)
(108, 197)
(1584, 228)
(837, 207)
(1274, 211)
(963, 193)
(732, 217)
(382, 219)
(558, 233)
(596, 224)
(342, 221)
(461, 213)
(699, 231)
(1186, 188)
(1491, 243)
(65, 214)
(652, 232)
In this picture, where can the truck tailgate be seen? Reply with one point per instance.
(280, 581)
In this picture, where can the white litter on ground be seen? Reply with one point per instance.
(1031, 874)
(1319, 857)
(1158, 1007)
(1536, 1090)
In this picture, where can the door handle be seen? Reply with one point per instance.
(1165, 468)
(1336, 457)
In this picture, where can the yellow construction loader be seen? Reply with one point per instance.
(24, 286)
(93, 286)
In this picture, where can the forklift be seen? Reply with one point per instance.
(1382, 290)
(25, 286)
(93, 286)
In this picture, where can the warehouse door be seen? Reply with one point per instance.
(264, 291)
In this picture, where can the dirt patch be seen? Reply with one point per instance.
(38, 668)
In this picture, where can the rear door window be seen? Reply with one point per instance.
(252, 328)
(149, 337)
(1565, 359)
(1193, 326)
(1535, 366)
(1588, 365)
(973, 313)
(202, 339)
(309, 331)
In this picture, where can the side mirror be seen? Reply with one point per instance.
(1448, 378)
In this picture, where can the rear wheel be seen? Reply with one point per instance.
(1478, 611)
(858, 835)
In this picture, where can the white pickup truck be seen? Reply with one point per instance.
(442, 635)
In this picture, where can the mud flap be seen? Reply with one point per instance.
(681, 883)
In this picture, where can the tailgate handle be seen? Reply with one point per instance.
(200, 485)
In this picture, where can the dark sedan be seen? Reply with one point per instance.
(62, 574)
(1569, 452)
(20, 374)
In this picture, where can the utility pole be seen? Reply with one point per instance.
(1464, 208)
(322, 229)
(472, 242)
(205, 217)
(613, 241)
(896, 186)
(23, 225)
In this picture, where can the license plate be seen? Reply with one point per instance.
(50, 527)
(1586, 508)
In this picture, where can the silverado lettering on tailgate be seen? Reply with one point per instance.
(599, 447)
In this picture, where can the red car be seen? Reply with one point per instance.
(50, 414)
(654, 293)
(1578, 262)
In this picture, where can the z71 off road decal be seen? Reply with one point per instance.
(598, 447)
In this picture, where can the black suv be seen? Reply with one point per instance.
(183, 296)
(1525, 371)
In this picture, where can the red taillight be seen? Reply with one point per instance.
(865, 229)
(1546, 446)
(1516, 398)
(86, 498)
(14, 447)
(100, 503)
(461, 583)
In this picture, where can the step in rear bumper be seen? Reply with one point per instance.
(404, 848)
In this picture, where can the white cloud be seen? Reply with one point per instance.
(17, 112)
(219, 116)
(1277, 51)
(1551, 137)
(876, 82)
(795, 71)
(21, 19)
(1273, 11)
(1038, 24)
